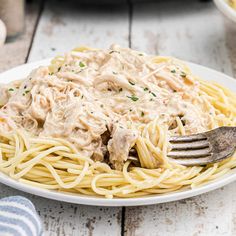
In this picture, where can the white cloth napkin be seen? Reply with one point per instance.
(18, 217)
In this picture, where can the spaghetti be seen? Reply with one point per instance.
(74, 125)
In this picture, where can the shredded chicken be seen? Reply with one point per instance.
(96, 92)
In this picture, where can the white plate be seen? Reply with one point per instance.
(226, 9)
(203, 72)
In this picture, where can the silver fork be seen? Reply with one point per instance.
(203, 148)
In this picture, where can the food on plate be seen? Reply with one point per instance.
(232, 3)
(79, 124)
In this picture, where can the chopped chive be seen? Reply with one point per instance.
(27, 91)
(10, 89)
(59, 68)
(142, 114)
(133, 98)
(131, 82)
(145, 89)
(173, 71)
(82, 96)
(81, 64)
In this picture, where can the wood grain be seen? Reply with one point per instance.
(15, 52)
(195, 32)
(63, 26)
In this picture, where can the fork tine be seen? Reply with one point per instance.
(190, 154)
(189, 145)
(188, 138)
(193, 162)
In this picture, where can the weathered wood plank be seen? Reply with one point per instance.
(15, 52)
(62, 27)
(193, 31)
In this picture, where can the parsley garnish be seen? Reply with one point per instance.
(183, 74)
(81, 64)
(142, 114)
(154, 95)
(113, 52)
(59, 68)
(27, 91)
(133, 98)
(173, 71)
(131, 82)
(140, 54)
(11, 89)
(145, 89)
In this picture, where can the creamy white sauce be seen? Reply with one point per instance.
(98, 93)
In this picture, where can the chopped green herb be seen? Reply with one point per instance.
(173, 71)
(140, 54)
(27, 91)
(81, 64)
(101, 106)
(145, 89)
(113, 52)
(131, 82)
(142, 114)
(82, 96)
(115, 73)
(23, 94)
(59, 68)
(121, 89)
(50, 73)
(154, 95)
(10, 89)
(183, 74)
(133, 98)
(72, 70)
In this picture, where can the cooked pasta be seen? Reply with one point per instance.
(77, 124)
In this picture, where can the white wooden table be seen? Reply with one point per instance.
(189, 29)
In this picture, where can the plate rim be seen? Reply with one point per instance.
(227, 10)
(115, 202)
